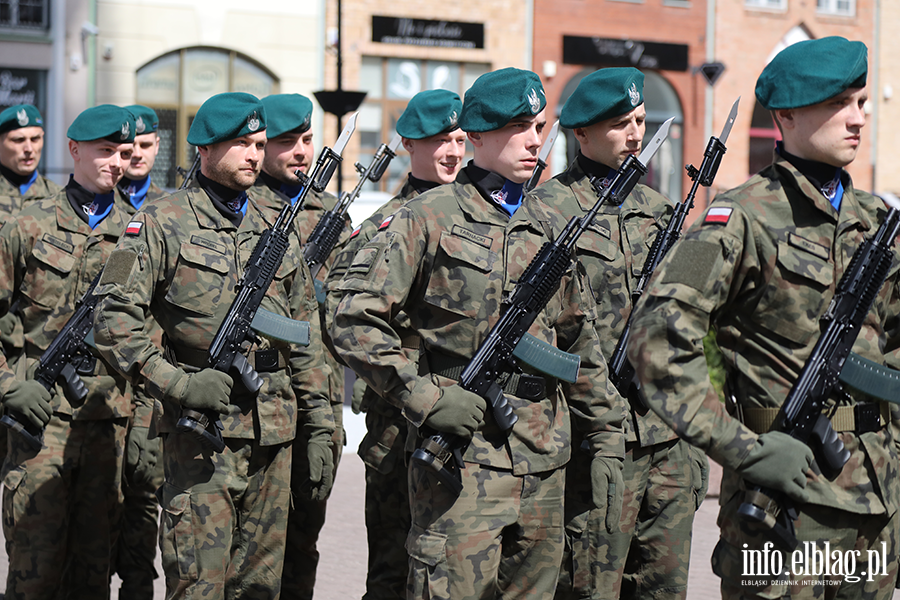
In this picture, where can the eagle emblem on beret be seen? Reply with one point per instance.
(253, 121)
(634, 94)
(534, 102)
(453, 118)
(306, 120)
(126, 129)
(139, 125)
(22, 117)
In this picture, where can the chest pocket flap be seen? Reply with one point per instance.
(58, 259)
(805, 264)
(199, 278)
(467, 251)
(459, 275)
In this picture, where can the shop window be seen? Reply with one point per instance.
(389, 83)
(843, 8)
(763, 135)
(772, 4)
(177, 83)
(25, 14)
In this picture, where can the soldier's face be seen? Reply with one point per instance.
(510, 151)
(611, 141)
(437, 158)
(287, 153)
(828, 132)
(99, 164)
(146, 147)
(20, 149)
(234, 163)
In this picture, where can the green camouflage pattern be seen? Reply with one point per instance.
(48, 258)
(648, 556)
(461, 548)
(651, 549)
(762, 280)
(222, 533)
(61, 507)
(12, 201)
(307, 516)
(188, 259)
(387, 510)
(447, 259)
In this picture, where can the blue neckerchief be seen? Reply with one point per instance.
(834, 191)
(239, 204)
(99, 209)
(137, 191)
(23, 189)
(509, 197)
(292, 191)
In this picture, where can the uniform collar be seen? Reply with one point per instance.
(576, 178)
(473, 204)
(67, 219)
(420, 185)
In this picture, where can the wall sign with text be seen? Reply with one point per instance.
(425, 32)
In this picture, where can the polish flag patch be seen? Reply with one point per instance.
(134, 228)
(718, 215)
(385, 223)
(355, 232)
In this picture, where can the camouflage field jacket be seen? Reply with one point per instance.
(613, 251)
(11, 201)
(760, 267)
(48, 258)
(179, 262)
(448, 259)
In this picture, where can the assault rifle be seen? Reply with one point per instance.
(327, 231)
(67, 357)
(190, 174)
(621, 372)
(508, 340)
(244, 314)
(542, 158)
(801, 415)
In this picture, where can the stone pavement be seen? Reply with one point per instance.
(342, 567)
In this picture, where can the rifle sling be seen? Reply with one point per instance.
(871, 378)
(520, 385)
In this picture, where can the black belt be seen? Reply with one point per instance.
(520, 385)
(262, 361)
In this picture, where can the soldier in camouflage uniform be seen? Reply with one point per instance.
(21, 145)
(447, 259)
(290, 148)
(651, 546)
(61, 503)
(136, 548)
(436, 145)
(760, 267)
(138, 185)
(178, 262)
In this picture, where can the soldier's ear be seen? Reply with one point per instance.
(475, 138)
(408, 144)
(73, 149)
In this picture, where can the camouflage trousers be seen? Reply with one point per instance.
(224, 518)
(387, 503)
(61, 506)
(305, 520)
(138, 537)
(861, 555)
(501, 537)
(649, 555)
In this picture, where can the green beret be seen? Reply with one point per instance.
(225, 117)
(429, 113)
(20, 115)
(107, 121)
(812, 71)
(602, 95)
(496, 98)
(145, 119)
(287, 112)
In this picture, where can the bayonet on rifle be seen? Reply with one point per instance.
(542, 158)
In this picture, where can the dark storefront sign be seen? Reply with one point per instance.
(579, 50)
(424, 32)
(22, 86)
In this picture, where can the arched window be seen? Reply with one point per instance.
(661, 102)
(177, 83)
